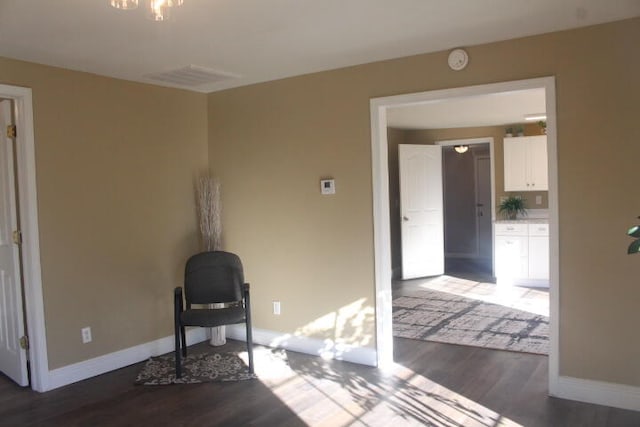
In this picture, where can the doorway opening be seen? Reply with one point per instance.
(468, 208)
(456, 186)
(381, 109)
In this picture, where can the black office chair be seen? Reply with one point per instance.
(211, 278)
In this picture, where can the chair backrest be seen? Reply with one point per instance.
(213, 277)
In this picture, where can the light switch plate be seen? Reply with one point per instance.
(327, 186)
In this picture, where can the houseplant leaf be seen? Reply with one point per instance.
(634, 231)
(634, 247)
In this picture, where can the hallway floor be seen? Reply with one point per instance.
(532, 300)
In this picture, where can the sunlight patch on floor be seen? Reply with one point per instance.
(322, 396)
(521, 298)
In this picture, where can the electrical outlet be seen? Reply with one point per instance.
(86, 335)
(276, 308)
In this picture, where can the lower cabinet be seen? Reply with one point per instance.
(539, 252)
(522, 253)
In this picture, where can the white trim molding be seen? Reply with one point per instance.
(599, 392)
(109, 362)
(327, 349)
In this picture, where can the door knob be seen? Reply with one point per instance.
(404, 218)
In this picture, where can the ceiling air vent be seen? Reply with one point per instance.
(191, 76)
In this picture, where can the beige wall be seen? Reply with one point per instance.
(116, 163)
(271, 143)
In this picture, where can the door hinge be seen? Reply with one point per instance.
(11, 131)
(24, 342)
(17, 237)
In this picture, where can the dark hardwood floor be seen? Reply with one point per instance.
(479, 270)
(431, 384)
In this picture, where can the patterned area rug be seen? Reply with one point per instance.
(438, 316)
(196, 368)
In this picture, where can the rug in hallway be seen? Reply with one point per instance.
(438, 316)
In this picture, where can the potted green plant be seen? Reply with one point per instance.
(508, 132)
(519, 130)
(511, 206)
(543, 126)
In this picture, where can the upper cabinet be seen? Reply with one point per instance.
(525, 163)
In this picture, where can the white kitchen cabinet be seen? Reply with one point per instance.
(525, 163)
(538, 251)
(512, 249)
(522, 253)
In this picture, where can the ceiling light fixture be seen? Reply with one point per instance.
(534, 117)
(158, 10)
(461, 148)
(124, 4)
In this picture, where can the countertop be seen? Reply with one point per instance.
(523, 221)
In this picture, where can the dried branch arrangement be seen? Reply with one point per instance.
(209, 211)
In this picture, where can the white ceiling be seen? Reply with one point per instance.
(261, 40)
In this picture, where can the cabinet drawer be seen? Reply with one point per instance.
(511, 229)
(538, 229)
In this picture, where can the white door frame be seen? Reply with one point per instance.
(381, 231)
(472, 141)
(27, 198)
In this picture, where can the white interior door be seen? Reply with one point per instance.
(13, 359)
(421, 210)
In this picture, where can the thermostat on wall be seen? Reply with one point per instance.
(327, 186)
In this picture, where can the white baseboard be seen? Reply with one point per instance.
(119, 359)
(109, 362)
(598, 392)
(316, 347)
